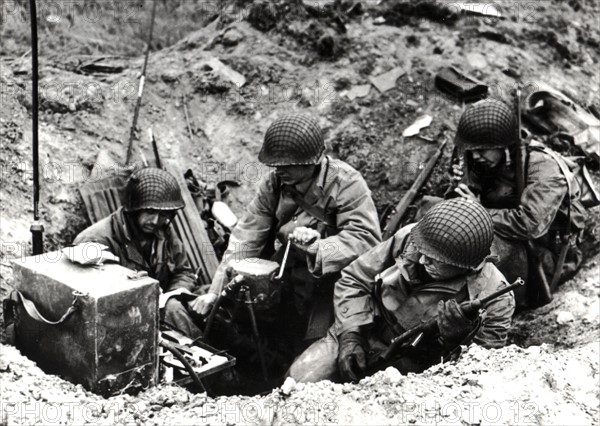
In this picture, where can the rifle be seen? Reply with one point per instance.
(415, 334)
(521, 153)
(394, 221)
(138, 103)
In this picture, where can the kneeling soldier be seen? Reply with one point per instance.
(319, 208)
(423, 272)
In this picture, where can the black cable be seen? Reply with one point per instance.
(184, 361)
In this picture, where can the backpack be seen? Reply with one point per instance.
(567, 128)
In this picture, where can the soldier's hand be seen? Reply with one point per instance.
(454, 326)
(305, 239)
(464, 191)
(203, 304)
(352, 360)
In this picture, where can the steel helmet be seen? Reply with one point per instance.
(152, 188)
(486, 124)
(458, 232)
(292, 140)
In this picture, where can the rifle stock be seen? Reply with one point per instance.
(400, 209)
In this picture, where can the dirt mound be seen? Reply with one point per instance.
(313, 57)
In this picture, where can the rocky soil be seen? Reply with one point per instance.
(293, 56)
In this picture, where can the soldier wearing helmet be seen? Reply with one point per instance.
(424, 271)
(140, 234)
(532, 228)
(322, 206)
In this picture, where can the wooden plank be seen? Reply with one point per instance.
(192, 255)
(197, 228)
(115, 199)
(98, 199)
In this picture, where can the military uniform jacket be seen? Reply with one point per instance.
(543, 204)
(408, 296)
(339, 191)
(166, 261)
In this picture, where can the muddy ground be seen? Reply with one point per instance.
(294, 57)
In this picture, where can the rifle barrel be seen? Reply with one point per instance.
(409, 196)
(518, 283)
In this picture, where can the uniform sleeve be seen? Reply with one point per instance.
(540, 202)
(183, 275)
(251, 233)
(358, 225)
(99, 233)
(352, 300)
(496, 324)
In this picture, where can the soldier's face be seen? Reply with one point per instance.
(151, 221)
(488, 158)
(439, 270)
(293, 175)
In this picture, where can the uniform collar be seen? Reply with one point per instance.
(317, 189)
(323, 172)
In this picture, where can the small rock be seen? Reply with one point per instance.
(476, 60)
(359, 91)
(393, 375)
(386, 81)
(288, 386)
(328, 44)
(232, 37)
(534, 350)
(564, 317)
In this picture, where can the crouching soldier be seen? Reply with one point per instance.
(323, 208)
(140, 234)
(538, 230)
(423, 272)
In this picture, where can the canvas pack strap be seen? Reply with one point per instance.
(33, 312)
(312, 210)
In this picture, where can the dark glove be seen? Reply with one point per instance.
(351, 358)
(454, 326)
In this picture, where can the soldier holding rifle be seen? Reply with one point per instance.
(422, 273)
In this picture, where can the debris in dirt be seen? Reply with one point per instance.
(476, 60)
(454, 82)
(409, 13)
(387, 81)
(169, 76)
(288, 386)
(392, 375)
(317, 5)
(263, 15)
(563, 317)
(226, 72)
(212, 84)
(483, 9)
(328, 44)
(101, 65)
(231, 37)
(359, 91)
(495, 35)
(415, 128)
